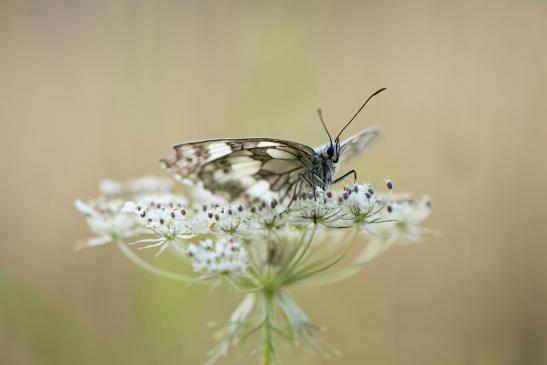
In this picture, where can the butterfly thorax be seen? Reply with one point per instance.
(323, 171)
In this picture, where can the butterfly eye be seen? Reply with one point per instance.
(330, 151)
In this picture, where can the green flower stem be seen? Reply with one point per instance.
(149, 267)
(292, 259)
(304, 250)
(266, 355)
(372, 251)
(311, 271)
(267, 344)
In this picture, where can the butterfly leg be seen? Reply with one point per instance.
(297, 185)
(297, 190)
(321, 183)
(346, 175)
(303, 178)
(293, 195)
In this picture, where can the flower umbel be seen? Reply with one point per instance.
(223, 256)
(108, 219)
(261, 247)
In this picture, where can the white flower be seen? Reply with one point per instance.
(149, 184)
(107, 186)
(360, 204)
(231, 219)
(108, 219)
(164, 198)
(266, 215)
(353, 205)
(321, 207)
(223, 256)
(259, 246)
(401, 219)
(203, 196)
(167, 222)
(142, 185)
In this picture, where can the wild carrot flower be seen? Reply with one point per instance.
(261, 247)
(108, 219)
(223, 256)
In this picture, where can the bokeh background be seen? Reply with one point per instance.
(102, 89)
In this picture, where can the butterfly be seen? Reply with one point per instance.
(254, 167)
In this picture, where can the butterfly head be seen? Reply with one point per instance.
(332, 151)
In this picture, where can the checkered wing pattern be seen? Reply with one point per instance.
(237, 167)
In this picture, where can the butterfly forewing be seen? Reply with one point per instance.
(234, 167)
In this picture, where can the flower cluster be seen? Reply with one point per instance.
(261, 246)
(224, 255)
(109, 219)
(142, 185)
(402, 218)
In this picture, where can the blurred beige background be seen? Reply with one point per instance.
(102, 89)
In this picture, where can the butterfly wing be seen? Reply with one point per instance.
(234, 167)
(356, 144)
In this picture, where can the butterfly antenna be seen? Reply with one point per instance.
(324, 125)
(357, 113)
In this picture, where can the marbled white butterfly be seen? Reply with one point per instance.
(236, 167)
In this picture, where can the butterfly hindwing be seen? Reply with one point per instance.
(233, 167)
(356, 144)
